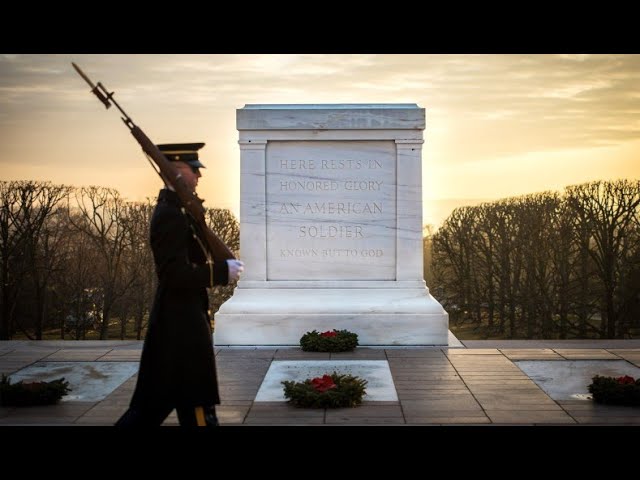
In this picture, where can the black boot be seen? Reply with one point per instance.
(210, 417)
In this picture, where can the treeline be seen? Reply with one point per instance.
(78, 260)
(545, 265)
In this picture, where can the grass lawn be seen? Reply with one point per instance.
(91, 334)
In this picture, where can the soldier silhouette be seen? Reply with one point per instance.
(177, 367)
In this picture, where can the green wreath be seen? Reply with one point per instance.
(615, 390)
(34, 393)
(328, 391)
(329, 341)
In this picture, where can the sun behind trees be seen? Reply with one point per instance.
(75, 263)
(545, 265)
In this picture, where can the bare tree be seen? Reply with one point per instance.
(453, 252)
(48, 258)
(628, 294)
(101, 219)
(224, 223)
(26, 245)
(546, 263)
(611, 208)
(139, 268)
(486, 258)
(427, 239)
(563, 254)
(226, 226)
(77, 279)
(10, 243)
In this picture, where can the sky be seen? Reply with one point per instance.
(496, 125)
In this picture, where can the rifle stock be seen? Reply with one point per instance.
(190, 201)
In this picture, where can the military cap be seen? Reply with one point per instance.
(182, 152)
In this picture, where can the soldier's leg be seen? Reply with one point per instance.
(144, 417)
(197, 416)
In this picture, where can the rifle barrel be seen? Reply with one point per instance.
(193, 204)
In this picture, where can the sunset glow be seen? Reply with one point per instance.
(497, 125)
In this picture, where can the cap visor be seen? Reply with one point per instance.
(195, 163)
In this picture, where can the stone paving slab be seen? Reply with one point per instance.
(77, 355)
(444, 403)
(121, 355)
(414, 353)
(426, 361)
(533, 417)
(283, 421)
(290, 354)
(606, 344)
(597, 410)
(34, 420)
(248, 352)
(89, 381)
(476, 385)
(435, 394)
(631, 357)
(428, 385)
(517, 398)
(586, 354)
(376, 372)
(425, 368)
(126, 345)
(232, 414)
(531, 354)
(531, 387)
(7, 368)
(597, 420)
(512, 405)
(369, 411)
(451, 420)
(475, 351)
(572, 377)
(27, 355)
(354, 421)
(360, 354)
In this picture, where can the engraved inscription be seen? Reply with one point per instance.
(331, 210)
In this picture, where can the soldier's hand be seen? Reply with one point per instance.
(236, 267)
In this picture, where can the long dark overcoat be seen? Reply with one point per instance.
(177, 367)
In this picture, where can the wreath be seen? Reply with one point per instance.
(329, 341)
(328, 391)
(33, 393)
(615, 390)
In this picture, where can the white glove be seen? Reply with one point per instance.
(236, 267)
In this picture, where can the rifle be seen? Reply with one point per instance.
(191, 202)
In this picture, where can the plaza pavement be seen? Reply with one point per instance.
(478, 384)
